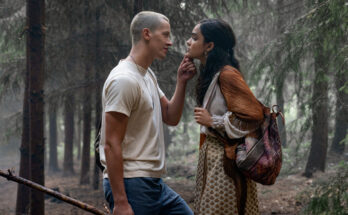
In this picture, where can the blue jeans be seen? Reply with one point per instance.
(149, 196)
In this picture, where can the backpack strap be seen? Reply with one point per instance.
(278, 112)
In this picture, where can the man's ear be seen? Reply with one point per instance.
(146, 34)
(210, 46)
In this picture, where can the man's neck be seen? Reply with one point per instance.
(141, 56)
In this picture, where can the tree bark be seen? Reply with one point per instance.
(85, 161)
(87, 109)
(167, 138)
(53, 159)
(245, 5)
(36, 36)
(79, 131)
(23, 192)
(317, 156)
(281, 76)
(341, 118)
(280, 103)
(69, 134)
(98, 103)
(137, 6)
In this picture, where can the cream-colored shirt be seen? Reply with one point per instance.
(215, 103)
(133, 91)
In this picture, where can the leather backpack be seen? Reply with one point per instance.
(260, 161)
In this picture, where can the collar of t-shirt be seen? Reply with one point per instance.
(139, 68)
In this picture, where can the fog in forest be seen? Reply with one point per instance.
(292, 53)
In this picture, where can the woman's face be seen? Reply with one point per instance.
(196, 45)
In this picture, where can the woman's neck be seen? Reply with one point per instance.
(203, 60)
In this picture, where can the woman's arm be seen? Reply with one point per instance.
(229, 123)
(245, 113)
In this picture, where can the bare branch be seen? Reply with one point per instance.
(10, 176)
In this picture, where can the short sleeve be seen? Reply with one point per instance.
(160, 92)
(122, 95)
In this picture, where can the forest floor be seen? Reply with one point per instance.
(281, 198)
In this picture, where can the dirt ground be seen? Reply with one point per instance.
(280, 198)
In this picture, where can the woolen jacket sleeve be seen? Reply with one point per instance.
(245, 113)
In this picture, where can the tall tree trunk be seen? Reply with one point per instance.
(79, 131)
(96, 168)
(98, 105)
(36, 15)
(185, 121)
(137, 6)
(85, 161)
(341, 118)
(317, 156)
(167, 137)
(280, 103)
(53, 159)
(69, 134)
(23, 192)
(87, 109)
(281, 76)
(245, 5)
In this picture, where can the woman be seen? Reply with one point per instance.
(227, 109)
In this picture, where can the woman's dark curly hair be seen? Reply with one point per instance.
(220, 33)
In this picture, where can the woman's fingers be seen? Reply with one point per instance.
(198, 120)
(202, 116)
(199, 109)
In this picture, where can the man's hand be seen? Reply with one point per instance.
(203, 117)
(172, 110)
(122, 209)
(187, 69)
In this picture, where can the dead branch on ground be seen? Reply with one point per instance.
(10, 176)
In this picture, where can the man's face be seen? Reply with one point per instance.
(160, 40)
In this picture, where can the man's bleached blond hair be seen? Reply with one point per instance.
(145, 19)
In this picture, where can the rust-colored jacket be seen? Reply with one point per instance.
(239, 98)
(247, 112)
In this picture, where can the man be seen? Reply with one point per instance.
(132, 143)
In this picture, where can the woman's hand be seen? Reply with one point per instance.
(203, 117)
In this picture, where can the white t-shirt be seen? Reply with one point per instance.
(133, 91)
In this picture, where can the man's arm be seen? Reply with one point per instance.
(115, 129)
(172, 110)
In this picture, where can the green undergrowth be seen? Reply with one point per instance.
(328, 197)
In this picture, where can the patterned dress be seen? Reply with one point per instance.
(215, 191)
(235, 113)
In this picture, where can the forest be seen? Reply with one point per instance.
(56, 55)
